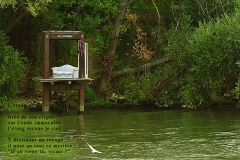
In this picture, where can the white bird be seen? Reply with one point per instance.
(93, 150)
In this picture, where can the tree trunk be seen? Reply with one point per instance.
(15, 19)
(76, 15)
(109, 56)
(132, 70)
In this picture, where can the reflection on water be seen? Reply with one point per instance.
(138, 134)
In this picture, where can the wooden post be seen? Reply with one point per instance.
(46, 66)
(46, 97)
(81, 61)
(81, 65)
(81, 99)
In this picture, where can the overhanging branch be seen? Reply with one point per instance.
(132, 70)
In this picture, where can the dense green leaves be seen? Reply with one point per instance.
(11, 67)
(34, 7)
(206, 62)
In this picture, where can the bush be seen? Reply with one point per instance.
(206, 62)
(130, 88)
(92, 98)
(12, 68)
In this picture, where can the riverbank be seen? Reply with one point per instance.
(58, 105)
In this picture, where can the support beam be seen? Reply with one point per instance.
(81, 58)
(46, 73)
(46, 97)
(81, 99)
(62, 86)
(46, 56)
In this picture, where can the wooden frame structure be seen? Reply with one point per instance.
(62, 84)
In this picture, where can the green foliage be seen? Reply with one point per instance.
(66, 54)
(36, 7)
(167, 95)
(237, 89)
(203, 11)
(4, 3)
(90, 23)
(92, 98)
(206, 62)
(12, 68)
(129, 87)
(134, 96)
(107, 7)
(12, 104)
(3, 102)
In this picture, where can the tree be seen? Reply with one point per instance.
(109, 56)
(12, 68)
(21, 9)
(205, 63)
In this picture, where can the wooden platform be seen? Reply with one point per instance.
(52, 80)
(64, 84)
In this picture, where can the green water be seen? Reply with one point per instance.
(134, 134)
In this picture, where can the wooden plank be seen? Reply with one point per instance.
(66, 35)
(62, 86)
(51, 80)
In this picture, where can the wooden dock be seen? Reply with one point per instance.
(63, 84)
(50, 83)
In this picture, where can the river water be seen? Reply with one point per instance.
(127, 134)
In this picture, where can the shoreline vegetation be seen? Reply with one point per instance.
(21, 104)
